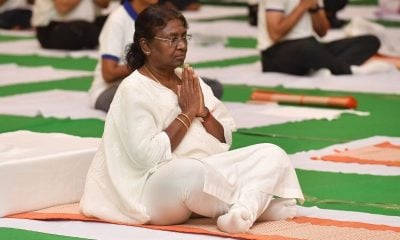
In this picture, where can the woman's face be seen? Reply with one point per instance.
(169, 46)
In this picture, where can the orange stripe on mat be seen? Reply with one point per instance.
(330, 222)
(384, 153)
(174, 228)
(298, 228)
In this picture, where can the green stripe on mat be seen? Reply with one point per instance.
(351, 192)
(241, 42)
(19, 234)
(227, 62)
(363, 2)
(79, 127)
(76, 83)
(83, 63)
(233, 18)
(7, 38)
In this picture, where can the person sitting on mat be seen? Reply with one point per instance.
(286, 40)
(111, 67)
(164, 153)
(68, 24)
(15, 14)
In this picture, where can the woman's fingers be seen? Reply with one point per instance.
(191, 96)
(190, 80)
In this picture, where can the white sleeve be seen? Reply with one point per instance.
(274, 4)
(112, 38)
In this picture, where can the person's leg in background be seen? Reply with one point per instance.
(16, 19)
(354, 50)
(301, 57)
(103, 102)
(73, 35)
(215, 85)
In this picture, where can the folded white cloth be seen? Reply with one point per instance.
(39, 170)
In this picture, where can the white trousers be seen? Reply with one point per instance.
(246, 177)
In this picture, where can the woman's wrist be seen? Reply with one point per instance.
(314, 9)
(205, 114)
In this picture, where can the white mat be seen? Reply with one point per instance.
(75, 105)
(39, 170)
(257, 115)
(213, 52)
(30, 47)
(369, 12)
(17, 33)
(388, 16)
(351, 11)
(302, 160)
(53, 103)
(348, 216)
(13, 74)
(223, 28)
(250, 74)
(209, 11)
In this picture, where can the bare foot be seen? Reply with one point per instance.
(279, 209)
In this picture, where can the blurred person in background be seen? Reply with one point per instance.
(68, 24)
(15, 14)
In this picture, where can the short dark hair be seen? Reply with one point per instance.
(148, 22)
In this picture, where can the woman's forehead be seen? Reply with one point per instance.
(173, 26)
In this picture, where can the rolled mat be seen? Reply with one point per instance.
(338, 102)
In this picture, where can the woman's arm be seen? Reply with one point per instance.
(113, 71)
(319, 21)
(279, 25)
(212, 125)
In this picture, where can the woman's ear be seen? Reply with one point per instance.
(144, 46)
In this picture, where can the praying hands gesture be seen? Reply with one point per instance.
(190, 96)
(191, 102)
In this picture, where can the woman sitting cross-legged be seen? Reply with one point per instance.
(165, 152)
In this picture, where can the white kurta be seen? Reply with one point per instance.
(116, 35)
(134, 146)
(302, 29)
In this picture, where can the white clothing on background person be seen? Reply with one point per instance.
(44, 12)
(116, 35)
(302, 29)
(135, 155)
(14, 4)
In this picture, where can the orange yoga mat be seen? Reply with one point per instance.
(295, 229)
(384, 153)
(338, 102)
